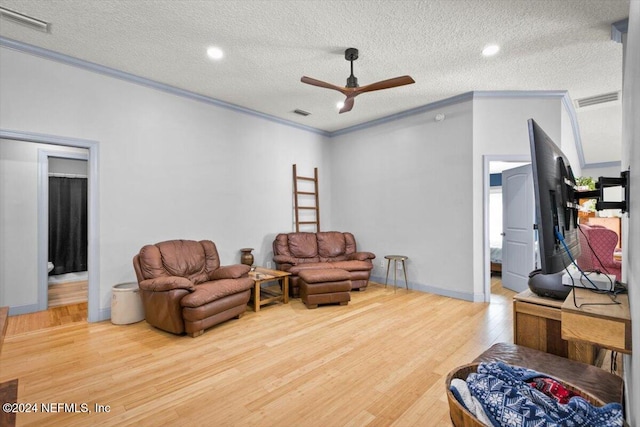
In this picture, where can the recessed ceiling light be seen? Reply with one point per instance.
(490, 50)
(215, 52)
(339, 105)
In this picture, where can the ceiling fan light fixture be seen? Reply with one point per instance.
(339, 105)
(352, 89)
(490, 50)
(215, 53)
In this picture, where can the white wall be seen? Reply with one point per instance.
(170, 166)
(403, 188)
(631, 227)
(414, 186)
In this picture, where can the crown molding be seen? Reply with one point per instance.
(618, 29)
(132, 78)
(464, 97)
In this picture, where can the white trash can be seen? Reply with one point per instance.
(126, 305)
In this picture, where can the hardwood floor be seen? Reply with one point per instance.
(379, 361)
(68, 293)
(57, 316)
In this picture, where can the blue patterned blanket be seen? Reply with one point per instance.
(507, 400)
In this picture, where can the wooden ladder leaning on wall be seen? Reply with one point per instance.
(315, 208)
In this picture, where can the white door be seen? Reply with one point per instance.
(518, 204)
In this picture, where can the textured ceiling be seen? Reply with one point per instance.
(269, 45)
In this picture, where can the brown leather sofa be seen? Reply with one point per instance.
(184, 288)
(295, 252)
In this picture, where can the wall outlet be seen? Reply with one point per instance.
(382, 263)
(268, 264)
(399, 265)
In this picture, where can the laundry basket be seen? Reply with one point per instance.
(461, 417)
(126, 305)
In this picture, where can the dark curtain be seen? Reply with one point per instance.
(68, 224)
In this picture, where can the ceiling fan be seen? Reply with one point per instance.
(351, 90)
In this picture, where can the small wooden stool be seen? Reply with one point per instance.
(395, 259)
(326, 286)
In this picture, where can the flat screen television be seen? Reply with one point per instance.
(556, 206)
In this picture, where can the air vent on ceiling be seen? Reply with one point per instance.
(597, 99)
(301, 112)
(22, 19)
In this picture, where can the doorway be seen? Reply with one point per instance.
(25, 299)
(67, 230)
(493, 213)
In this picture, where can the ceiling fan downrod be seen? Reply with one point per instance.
(351, 55)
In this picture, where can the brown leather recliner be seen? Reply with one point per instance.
(184, 288)
(295, 252)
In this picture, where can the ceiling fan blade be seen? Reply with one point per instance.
(386, 84)
(320, 83)
(348, 104)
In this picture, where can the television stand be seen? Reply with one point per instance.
(537, 324)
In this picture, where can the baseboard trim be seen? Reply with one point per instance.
(421, 287)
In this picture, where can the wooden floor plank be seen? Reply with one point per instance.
(67, 293)
(379, 361)
(8, 395)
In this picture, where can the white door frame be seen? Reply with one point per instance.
(93, 245)
(487, 159)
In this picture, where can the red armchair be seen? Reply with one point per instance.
(597, 244)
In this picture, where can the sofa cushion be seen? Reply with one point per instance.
(324, 275)
(331, 244)
(350, 242)
(210, 291)
(150, 262)
(344, 265)
(230, 272)
(354, 265)
(183, 258)
(281, 245)
(296, 269)
(303, 245)
(166, 283)
(326, 288)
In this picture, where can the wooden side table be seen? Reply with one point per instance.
(537, 324)
(395, 259)
(263, 275)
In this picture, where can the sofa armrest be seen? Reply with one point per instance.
(167, 283)
(234, 271)
(284, 259)
(361, 256)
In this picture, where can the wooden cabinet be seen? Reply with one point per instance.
(593, 318)
(537, 324)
